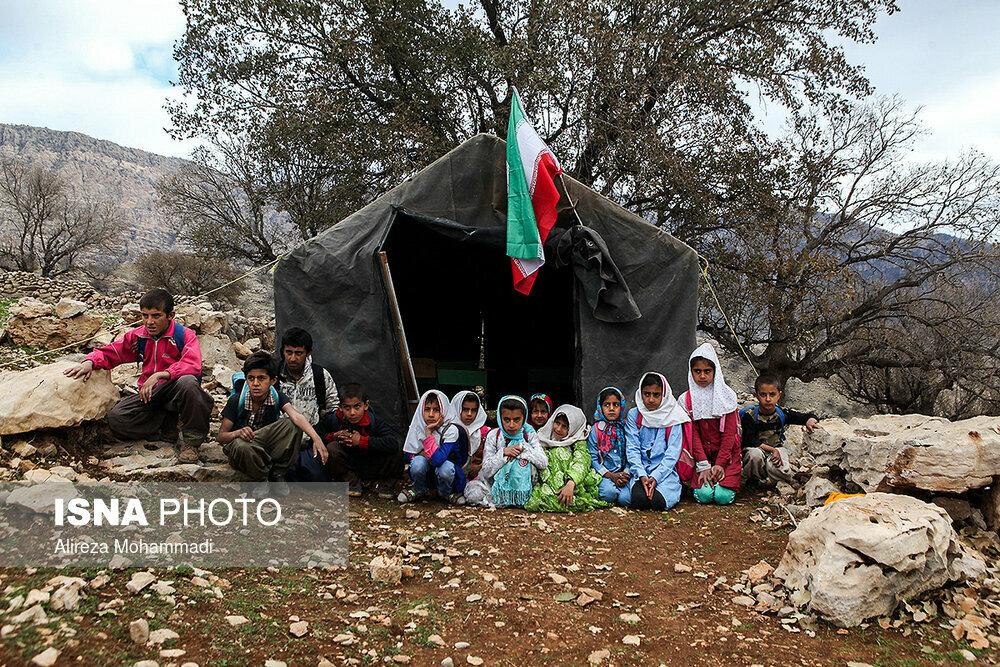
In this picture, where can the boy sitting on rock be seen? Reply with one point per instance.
(253, 438)
(169, 383)
(765, 459)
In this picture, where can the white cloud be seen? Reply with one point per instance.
(100, 67)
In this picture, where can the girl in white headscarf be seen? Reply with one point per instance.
(436, 449)
(715, 441)
(469, 409)
(513, 442)
(569, 483)
(654, 434)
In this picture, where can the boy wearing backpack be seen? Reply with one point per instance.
(764, 457)
(254, 438)
(312, 391)
(169, 357)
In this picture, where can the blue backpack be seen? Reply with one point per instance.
(756, 412)
(178, 337)
(460, 455)
(241, 389)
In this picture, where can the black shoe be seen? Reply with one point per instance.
(354, 489)
(385, 491)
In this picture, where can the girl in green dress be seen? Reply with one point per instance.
(569, 483)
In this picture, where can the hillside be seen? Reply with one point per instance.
(94, 167)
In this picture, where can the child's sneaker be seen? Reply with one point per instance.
(455, 498)
(385, 491)
(409, 495)
(354, 489)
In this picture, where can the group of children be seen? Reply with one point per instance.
(549, 459)
(539, 457)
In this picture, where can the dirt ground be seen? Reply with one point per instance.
(482, 592)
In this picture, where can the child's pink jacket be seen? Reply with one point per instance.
(161, 353)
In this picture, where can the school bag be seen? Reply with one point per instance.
(460, 455)
(756, 413)
(177, 336)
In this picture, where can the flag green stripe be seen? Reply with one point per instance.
(522, 229)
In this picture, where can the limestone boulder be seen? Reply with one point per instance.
(43, 397)
(41, 498)
(29, 307)
(31, 323)
(818, 489)
(131, 314)
(216, 351)
(859, 557)
(909, 452)
(67, 308)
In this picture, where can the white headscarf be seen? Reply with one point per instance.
(475, 428)
(717, 399)
(668, 414)
(415, 436)
(578, 428)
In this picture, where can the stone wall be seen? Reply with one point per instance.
(16, 284)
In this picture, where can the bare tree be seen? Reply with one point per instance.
(855, 252)
(222, 208)
(187, 274)
(41, 228)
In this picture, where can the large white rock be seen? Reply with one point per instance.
(67, 308)
(216, 351)
(903, 452)
(29, 307)
(45, 398)
(41, 498)
(859, 557)
(31, 324)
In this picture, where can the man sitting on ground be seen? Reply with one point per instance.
(169, 382)
(312, 391)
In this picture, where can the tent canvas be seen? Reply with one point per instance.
(443, 231)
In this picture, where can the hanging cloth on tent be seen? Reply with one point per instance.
(603, 285)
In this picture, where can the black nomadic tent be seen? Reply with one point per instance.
(615, 298)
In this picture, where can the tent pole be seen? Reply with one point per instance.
(412, 391)
(572, 204)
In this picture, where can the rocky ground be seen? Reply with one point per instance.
(611, 587)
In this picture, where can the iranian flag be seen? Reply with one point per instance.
(531, 197)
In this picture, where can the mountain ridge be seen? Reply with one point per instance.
(99, 168)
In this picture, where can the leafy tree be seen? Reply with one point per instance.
(41, 228)
(642, 101)
(860, 264)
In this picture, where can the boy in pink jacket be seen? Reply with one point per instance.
(170, 381)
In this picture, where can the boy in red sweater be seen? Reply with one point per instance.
(169, 382)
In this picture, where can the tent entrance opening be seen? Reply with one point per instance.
(467, 326)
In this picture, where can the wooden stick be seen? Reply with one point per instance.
(572, 205)
(404, 348)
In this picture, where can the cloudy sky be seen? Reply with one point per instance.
(102, 67)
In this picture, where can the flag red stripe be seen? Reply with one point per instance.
(545, 197)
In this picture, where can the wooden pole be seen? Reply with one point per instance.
(572, 205)
(410, 377)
